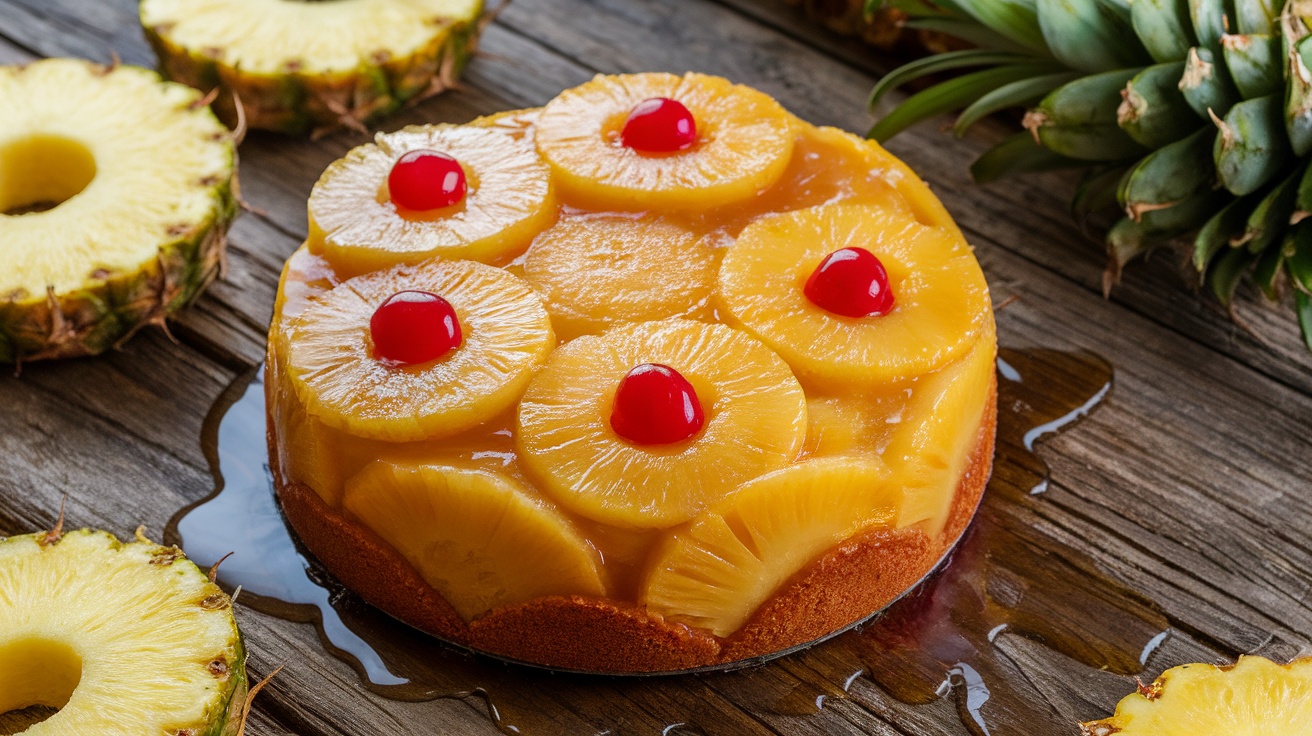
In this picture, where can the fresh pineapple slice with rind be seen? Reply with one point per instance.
(937, 433)
(755, 422)
(116, 192)
(330, 361)
(744, 142)
(597, 271)
(355, 225)
(298, 67)
(123, 639)
(1253, 697)
(716, 571)
(478, 537)
(941, 302)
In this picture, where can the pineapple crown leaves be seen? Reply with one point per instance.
(1193, 117)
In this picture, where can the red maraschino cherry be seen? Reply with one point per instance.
(850, 282)
(655, 405)
(659, 125)
(426, 180)
(414, 327)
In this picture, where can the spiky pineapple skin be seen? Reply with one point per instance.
(107, 311)
(223, 713)
(104, 315)
(300, 102)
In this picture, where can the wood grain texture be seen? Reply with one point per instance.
(1192, 485)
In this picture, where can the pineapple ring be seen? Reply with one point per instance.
(354, 224)
(758, 537)
(941, 300)
(116, 191)
(330, 362)
(84, 618)
(598, 271)
(300, 66)
(744, 142)
(1253, 697)
(755, 423)
(478, 537)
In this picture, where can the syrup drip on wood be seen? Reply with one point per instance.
(1010, 576)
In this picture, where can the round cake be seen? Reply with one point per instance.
(652, 378)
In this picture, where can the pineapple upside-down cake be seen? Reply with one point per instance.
(651, 378)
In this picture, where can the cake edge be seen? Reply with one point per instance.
(844, 585)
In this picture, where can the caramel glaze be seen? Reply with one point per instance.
(845, 585)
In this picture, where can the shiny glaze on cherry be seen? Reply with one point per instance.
(850, 282)
(414, 327)
(655, 405)
(425, 180)
(659, 125)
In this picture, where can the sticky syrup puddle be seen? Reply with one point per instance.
(940, 641)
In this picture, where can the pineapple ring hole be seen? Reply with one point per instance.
(42, 171)
(37, 678)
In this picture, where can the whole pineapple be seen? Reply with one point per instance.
(1195, 116)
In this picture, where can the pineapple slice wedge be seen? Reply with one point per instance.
(755, 422)
(936, 434)
(477, 536)
(600, 271)
(941, 300)
(331, 365)
(116, 192)
(298, 67)
(123, 639)
(1254, 697)
(744, 142)
(355, 225)
(716, 571)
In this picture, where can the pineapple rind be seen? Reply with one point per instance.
(1254, 697)
(102, 313)
(95, 573)
(302, 101)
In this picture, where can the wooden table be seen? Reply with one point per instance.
(1191, 485)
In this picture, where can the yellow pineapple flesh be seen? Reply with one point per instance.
(123, 639)
(743, 144)
(941, 302)
(478, 537)
(715, 572)
(510, 199)
(598, 271)
(937, 432)
(1253, 697)
(755, 423)
(331, 365)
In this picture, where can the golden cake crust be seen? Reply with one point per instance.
(844, 585)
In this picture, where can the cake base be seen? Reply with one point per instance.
(844, 586)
